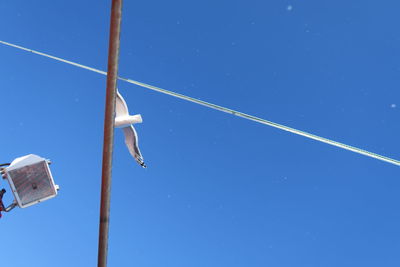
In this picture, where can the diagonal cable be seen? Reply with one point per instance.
(223, 109)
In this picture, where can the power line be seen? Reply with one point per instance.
(223, 109)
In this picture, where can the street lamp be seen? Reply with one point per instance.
(30, 180)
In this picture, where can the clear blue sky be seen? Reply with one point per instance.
(219, 190)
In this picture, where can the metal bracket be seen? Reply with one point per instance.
(10, 207)
(3, 172)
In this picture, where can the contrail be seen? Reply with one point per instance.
(223, 109)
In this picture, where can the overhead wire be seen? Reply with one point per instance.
(221, 108)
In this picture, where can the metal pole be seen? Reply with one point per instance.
(113, 54)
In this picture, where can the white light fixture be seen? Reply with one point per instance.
(30, 180)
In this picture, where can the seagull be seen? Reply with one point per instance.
(124, 120)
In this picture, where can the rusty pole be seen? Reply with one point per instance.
(112, 74)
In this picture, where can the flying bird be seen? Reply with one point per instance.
(124, 120)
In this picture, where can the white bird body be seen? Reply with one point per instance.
(124, 120)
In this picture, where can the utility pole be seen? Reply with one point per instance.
(112, 74)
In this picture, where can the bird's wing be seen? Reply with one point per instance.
(121, 109)
(131, 141)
